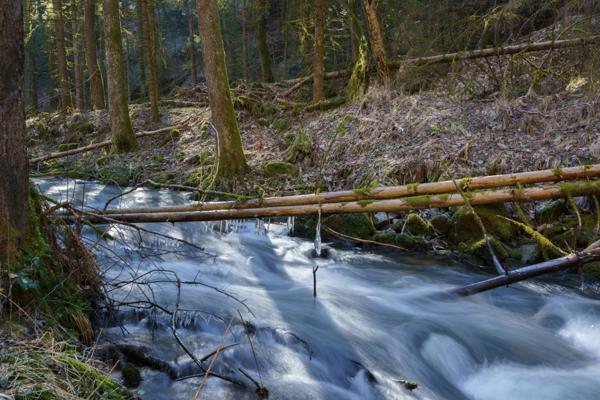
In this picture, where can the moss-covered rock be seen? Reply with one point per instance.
(355, 225)
(418, 226)
(83, 127)
(67, 146)
(301, 148)
(131, 375)
(479, 249)
(441, 224)
(465, 227)
(405, 240)
(275, 168)
(551, 211)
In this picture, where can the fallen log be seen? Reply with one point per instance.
(388, 192)
(371, 206)
(591, 254)
(95, 146)
(297, 83)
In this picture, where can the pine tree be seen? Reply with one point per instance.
(91, 56)
(61, 56)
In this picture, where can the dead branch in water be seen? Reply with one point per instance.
(590, 254)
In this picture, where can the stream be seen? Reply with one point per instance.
(378, 318)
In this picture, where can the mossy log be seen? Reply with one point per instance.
(390, 192)
(453, 57)
(94, 146)
(393, 205)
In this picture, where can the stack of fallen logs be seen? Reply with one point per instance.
(549, 184)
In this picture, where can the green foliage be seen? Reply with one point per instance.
(365, 191)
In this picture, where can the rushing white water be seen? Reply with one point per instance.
(376, 319)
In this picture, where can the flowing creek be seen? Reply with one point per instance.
(376, 319)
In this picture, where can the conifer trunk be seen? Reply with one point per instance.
(123, 138)
(263, 48)
(13, 153)
(194, 68)
(319, 52)
(150, 51)
(65, 101)
(232, 161)
(245, 71)
(376, 39)
(140, 47)
(79, 97)
(91, 56)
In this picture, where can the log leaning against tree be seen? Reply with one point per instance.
(396, 205)
(390, 192)
(297, 83)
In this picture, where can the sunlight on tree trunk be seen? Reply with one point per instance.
(232, 161)
(122, 133)
(376, 39)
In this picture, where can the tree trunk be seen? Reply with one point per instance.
(355, 29)
(265, 58)
(194, 69)
(232, 161)
(79, 98)
(141, 39)
(123, 138)
(61, 56)
(13, 153)
(319, 52)
(91, 57)
(245, 71)
(150, 51)
(376, 38)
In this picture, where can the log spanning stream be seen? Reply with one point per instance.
(376, 323)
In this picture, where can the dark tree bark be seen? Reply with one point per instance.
(232, 161)
(91, 56)
(65, 101)
(319, 53)
(79, 93)
(13, 153)
(192, 48)
(148, 16)
(141, 39)
(245, 70)
(263, 48)
(123, 137)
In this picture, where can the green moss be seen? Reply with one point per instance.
(281, 124)
(480, 249)
(465, 227)
(418, 226)
(275, 168)
(418, 201)
(364, 203)
(83, 127)
(301, 148)
(359, 80)
(365, 191)
(557, 171)
(355, 225)
(542, 240)
(412, 242)
(67, 146)
(412, 187)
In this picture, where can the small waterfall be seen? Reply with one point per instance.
(318, 243)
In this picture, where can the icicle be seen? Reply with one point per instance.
(318, 246)
(290, 225)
